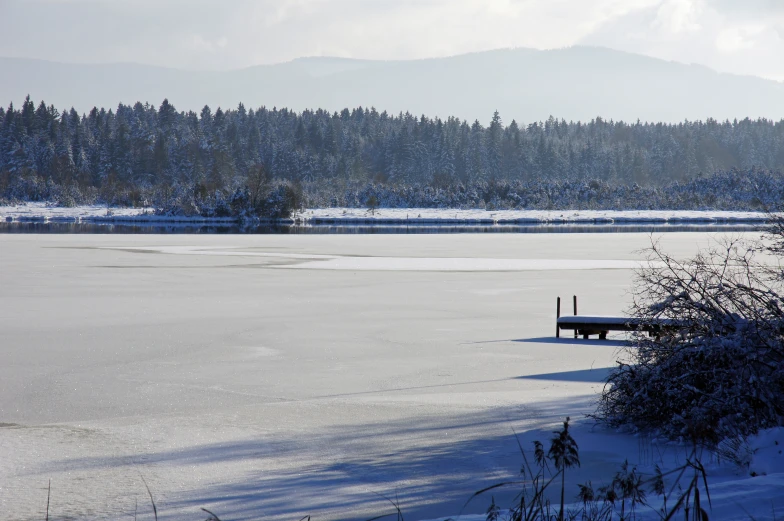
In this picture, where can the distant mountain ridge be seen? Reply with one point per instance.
(576, 83)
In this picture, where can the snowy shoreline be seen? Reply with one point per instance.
(525, 217)
(96, 214)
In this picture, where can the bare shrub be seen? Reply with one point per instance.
(619, 499)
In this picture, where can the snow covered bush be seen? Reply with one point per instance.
(283, 200)
(717, 369)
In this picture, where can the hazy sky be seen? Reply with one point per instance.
(741, 36)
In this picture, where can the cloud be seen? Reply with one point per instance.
(199, 43)
(737, 39)
(743, 37)
(729, 36)
(678, 16)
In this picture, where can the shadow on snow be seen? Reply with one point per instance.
(598, 375)
(568, 340)
(430, 465)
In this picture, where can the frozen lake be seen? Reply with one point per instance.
(276, 376)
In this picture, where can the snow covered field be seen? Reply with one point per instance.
(275, 376)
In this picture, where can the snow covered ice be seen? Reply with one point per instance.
(272, 377)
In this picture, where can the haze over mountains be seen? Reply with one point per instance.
(577, 83)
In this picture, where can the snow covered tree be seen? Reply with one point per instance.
(142, 148)
(494, 135)
(716, 366)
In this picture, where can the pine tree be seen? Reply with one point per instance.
(494, 135)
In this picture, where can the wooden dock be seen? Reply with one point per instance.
(587, 325)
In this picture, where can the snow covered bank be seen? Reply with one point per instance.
(744, 499)
(97, 214)
(750, 488)
(478, 216)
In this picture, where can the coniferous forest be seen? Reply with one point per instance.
(268, 162)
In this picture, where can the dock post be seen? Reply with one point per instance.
(574, 298)
(557, 316)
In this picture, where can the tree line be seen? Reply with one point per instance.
(206, 162)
